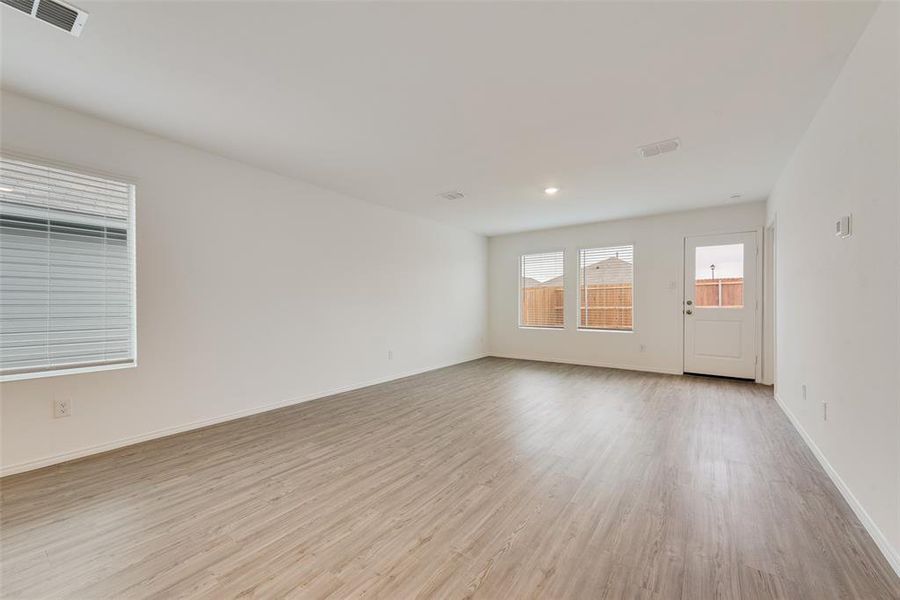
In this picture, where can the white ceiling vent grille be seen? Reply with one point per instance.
(454, 195)
(59, 14)
(25, 6)
(659, 147)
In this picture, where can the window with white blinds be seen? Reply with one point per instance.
(606, 288)
(67, 299)
(542, 290)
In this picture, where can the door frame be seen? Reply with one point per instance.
(758, 299)
(770, 312)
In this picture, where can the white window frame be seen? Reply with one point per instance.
(89, 367)
(519, 324)
(634, 269)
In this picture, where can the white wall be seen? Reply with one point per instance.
(253, 290)
(658, 273)
(838, 318)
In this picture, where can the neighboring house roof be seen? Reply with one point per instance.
(528, 282)
(555, 282)
(609, 271)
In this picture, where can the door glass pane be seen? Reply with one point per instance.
(719, 277)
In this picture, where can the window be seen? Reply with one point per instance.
(66, 271)
(542, 290)
(606, 288)
(719, 277)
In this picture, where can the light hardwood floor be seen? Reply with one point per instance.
(492, 479)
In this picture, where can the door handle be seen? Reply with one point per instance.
(688, 312)
(689, 302)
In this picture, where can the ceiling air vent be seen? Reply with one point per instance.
(59, 14)
(454, 195)
(659, 147)
(25, 6)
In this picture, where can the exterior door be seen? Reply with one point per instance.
(720, 308)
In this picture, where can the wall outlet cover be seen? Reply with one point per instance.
(62, 407)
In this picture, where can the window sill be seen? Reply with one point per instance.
(595, 330)
(67, 371)
(542, 328)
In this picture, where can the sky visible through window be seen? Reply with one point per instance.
(728, 260)
(542, 275)
(543, 267)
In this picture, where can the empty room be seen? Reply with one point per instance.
(452, 300)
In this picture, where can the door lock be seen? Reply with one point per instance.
(689, 302)
(688, 312)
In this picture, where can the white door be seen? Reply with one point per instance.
(720, 309)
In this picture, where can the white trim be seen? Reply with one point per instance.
(132, 248)
(768, 304)
(892, 555)
(584, 363)
(760, 302)
(52, 372)
(167, 431)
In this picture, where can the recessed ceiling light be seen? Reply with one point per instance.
(6, 190)
(550, 191)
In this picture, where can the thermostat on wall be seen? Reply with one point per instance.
(842, 227)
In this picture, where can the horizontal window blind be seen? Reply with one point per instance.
(606, 288)
(66, 270)
(542, 290)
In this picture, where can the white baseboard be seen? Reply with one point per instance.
(166, 431)
(890, 553)
(608, 365)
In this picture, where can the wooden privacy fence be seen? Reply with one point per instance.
(610, 306)
(542, 307)
(719, 292)
(607, 307)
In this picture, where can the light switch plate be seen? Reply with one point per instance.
(842, 227)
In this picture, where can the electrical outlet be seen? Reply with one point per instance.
(803, 391)
(62, 407)
(390, 355)
(643, 348)
(824, 411)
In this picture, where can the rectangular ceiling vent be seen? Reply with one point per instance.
(659, 147)
(454, 195)
(59, 14)
(25, 6)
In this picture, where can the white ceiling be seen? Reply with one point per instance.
(396, 102)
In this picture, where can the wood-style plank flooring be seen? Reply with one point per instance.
(492, 479)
